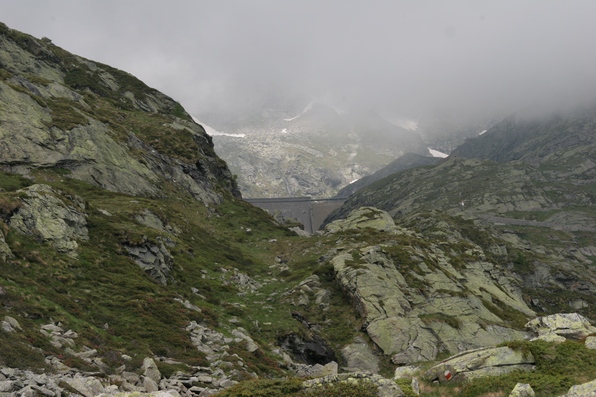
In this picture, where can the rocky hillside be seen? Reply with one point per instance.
(407, 161)
(313, 153)
(98, 124)
(541, 212)
(533, 139)
(130, 265)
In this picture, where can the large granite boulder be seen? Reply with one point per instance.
(493, 361)
(51, 217)
(358, 355)
(561, 326)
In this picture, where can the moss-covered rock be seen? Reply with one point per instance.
(51, 218)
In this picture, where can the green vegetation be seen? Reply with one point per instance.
(64, 115)
(453, 322)
(556, 370)
(117, 308)
(104, 286)
(292, 387)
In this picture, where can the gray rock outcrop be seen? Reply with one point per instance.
(5, 252)
(493, 361)
(561, 326)
(154, 258)
(365, 218)
(414, 310)
(51, 217)
(358, 355)
(47, 122)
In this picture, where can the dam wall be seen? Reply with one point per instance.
(306, 210)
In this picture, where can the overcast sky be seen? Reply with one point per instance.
(404, 57)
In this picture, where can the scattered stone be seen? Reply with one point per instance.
(300, 232)
(150, 370)
(415, 385)
(104, 212)
(591, 342)
(317, 370)
(5, 252)
(241, 333)
(186, 303)
(405, 372)
(9, 324)
(522, 390)
(149, 384)
(587, 389)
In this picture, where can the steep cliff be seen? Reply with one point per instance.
(99, 124)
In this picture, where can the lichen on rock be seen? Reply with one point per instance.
(49, 216)
(5, 252)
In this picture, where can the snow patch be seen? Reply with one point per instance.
(213, 132)
(436, 153)
(306, 109)
(284, 131)
(482, 132)
(325, 100)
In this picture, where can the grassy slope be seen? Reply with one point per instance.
(105, 286)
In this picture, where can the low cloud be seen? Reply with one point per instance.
(400, 57)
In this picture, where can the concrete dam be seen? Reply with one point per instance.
(306, 210)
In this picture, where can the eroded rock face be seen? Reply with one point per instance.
(359, 356)
(414, 325)
(154, 258)
(50, 217)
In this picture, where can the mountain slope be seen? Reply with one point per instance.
(545, 210)
(102, 125)
(129, 264)
(532, 139)
(314, 153)
(408, 160)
